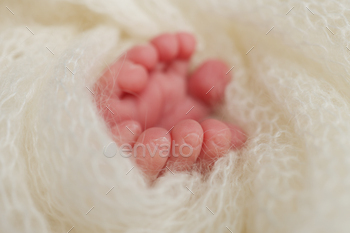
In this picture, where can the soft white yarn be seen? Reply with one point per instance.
(290, 93)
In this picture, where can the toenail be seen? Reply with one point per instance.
(192, 139)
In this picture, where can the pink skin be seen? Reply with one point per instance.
(151, 90)
(217, 141)
(151, 150)
(187, 132)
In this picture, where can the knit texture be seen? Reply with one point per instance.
(290, 93)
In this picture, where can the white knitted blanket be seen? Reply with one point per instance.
(291, 93)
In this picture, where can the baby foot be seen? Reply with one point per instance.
(156, 108)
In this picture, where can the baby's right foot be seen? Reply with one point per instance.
(152, 104)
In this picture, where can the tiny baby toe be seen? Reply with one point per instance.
(216, 140)
(145, 55)
(209, 81)
(167, 46)
(151, 151)
(187, 138)
(132, 77)
(187, 45)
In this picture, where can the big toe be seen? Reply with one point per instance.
(187, 138)
(216, 140)
(151, 151)
(209, 81)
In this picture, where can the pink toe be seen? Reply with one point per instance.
(216, 141)
(151, 151)
(145, 55)
(167, 46)
(187, 138)
(187, 45)
(132, 77)
(209, 81)
(126, 132)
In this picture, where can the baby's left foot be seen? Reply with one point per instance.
(154, 106)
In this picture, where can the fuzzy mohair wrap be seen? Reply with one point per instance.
(290, 92)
